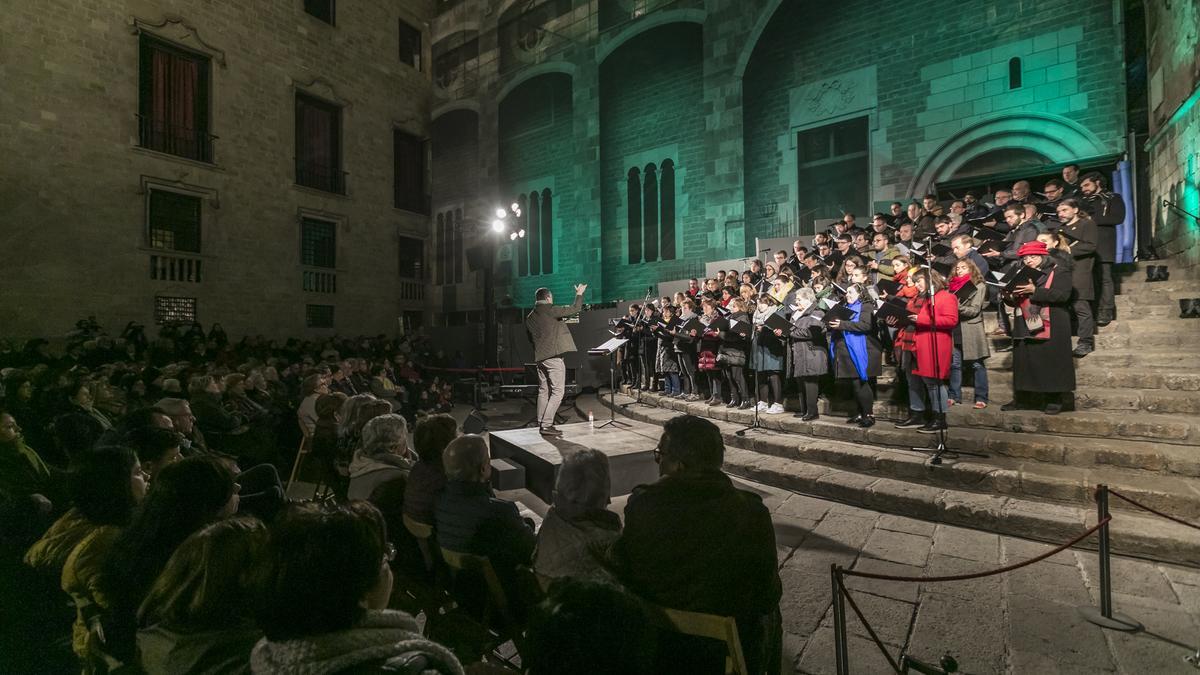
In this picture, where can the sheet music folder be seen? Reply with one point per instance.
(608, 347)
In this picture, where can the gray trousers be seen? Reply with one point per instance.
(552, 379)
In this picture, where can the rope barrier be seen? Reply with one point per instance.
(979, 575)
(476, 370)
(870, 631)
(1156, 512)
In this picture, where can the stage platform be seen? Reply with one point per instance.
(629, 447)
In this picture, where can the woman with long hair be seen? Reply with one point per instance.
(185, 496)
(198, 615)
(970, 340)
(732, 356)
(809, 360)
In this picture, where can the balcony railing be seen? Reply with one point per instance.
(175, 268)
(175, 140)
(412, 290)
(320, 177)
(319, 281)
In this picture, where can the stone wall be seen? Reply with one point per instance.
(73, 186)
(1174, 144)
(725, 86)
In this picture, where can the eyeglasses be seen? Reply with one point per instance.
(389, 552)
(657, 455)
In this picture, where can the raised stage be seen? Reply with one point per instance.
(629, 447)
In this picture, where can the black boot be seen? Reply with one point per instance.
(938, 423)
(1164, 273)
(916, 418)
(1083, 349)
(1151, 273)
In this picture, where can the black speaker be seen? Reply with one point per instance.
(476, 423)
(477, 258)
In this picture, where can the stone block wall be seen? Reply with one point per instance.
(1174, 143)
(73, 185)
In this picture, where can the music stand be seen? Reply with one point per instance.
(609, 349)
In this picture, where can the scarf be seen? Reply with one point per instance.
(958, 282)
(856, 343)
(1029, 310)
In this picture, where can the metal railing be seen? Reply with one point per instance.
(175, 268)
(172, 139)
(321, 177)
(319, 281)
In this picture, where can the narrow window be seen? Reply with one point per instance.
(547, 232)
(457, 252)
(318, 316)
(533, 235)
(408, 155)
(440, 248)
(1014, 73)
(522, 244)
(318, 145)
(410, 44)
(170, 309)
(173, 94)
(633, 189)
(666, 213)
(650, 209)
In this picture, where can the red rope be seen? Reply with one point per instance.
(979, 575)
(476, 370)
(1160, 514)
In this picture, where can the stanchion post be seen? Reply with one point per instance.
(1105, 617)
(841, 653)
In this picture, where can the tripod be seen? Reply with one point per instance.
(649, 376)
(754, 421)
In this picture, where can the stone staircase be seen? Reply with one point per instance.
(1136, 428)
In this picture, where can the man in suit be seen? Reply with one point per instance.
(551, 339)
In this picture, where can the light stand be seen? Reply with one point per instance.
(753, 348)
(650, 378)
(612, 392)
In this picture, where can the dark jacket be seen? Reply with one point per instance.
(470, 520)
(1082, 236)
(1107, 210)
(843, 365)
(734, 347)
(695, 542)
(1046, 365)
(810, 354)
(425, 482)
(547, 332)
(573, 541)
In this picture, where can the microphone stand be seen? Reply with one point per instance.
(650, 379)
(750, 361)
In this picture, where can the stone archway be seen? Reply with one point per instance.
(1055, 138)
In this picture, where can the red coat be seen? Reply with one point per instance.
(935, 331)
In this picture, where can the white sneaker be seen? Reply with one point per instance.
(775, 409)
(762, 406)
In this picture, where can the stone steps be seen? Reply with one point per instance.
(1022, 498)
(1021, 435)
(1119, 399)
(1113, 374)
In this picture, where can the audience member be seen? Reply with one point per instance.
(198, 615)
(323, 603)
(578, 530)
(428, 477)
(384, 455)
(590, 628)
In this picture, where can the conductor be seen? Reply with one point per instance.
(551, 339)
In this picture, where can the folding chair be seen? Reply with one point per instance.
(721, 628)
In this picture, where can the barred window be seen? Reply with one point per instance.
(174, 221)
(318, 316)
(325, 10)
(169, 309)
(318, 243)
(410, 44)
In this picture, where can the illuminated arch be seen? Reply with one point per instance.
(648, 22)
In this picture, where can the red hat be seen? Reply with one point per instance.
(1033, 248)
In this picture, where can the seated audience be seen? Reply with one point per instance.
(470, 519)
(384, 455)
(428, 478)
(575, 536)
(22, 471)
(156, 448)
(323, 602)
(694, 541)
(589, 628)
(186, 496)
(198, 615)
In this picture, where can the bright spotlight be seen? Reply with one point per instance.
(521, 233)
(501, 213)
(515, 207)
(512, 235)
(497, 225)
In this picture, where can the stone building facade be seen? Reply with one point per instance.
(673, 132)
(1173, 69)
(156, 164)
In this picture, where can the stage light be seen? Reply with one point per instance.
(497, 225)
(515, 207)
(521, 233)
(512, 235)
(501, 213)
